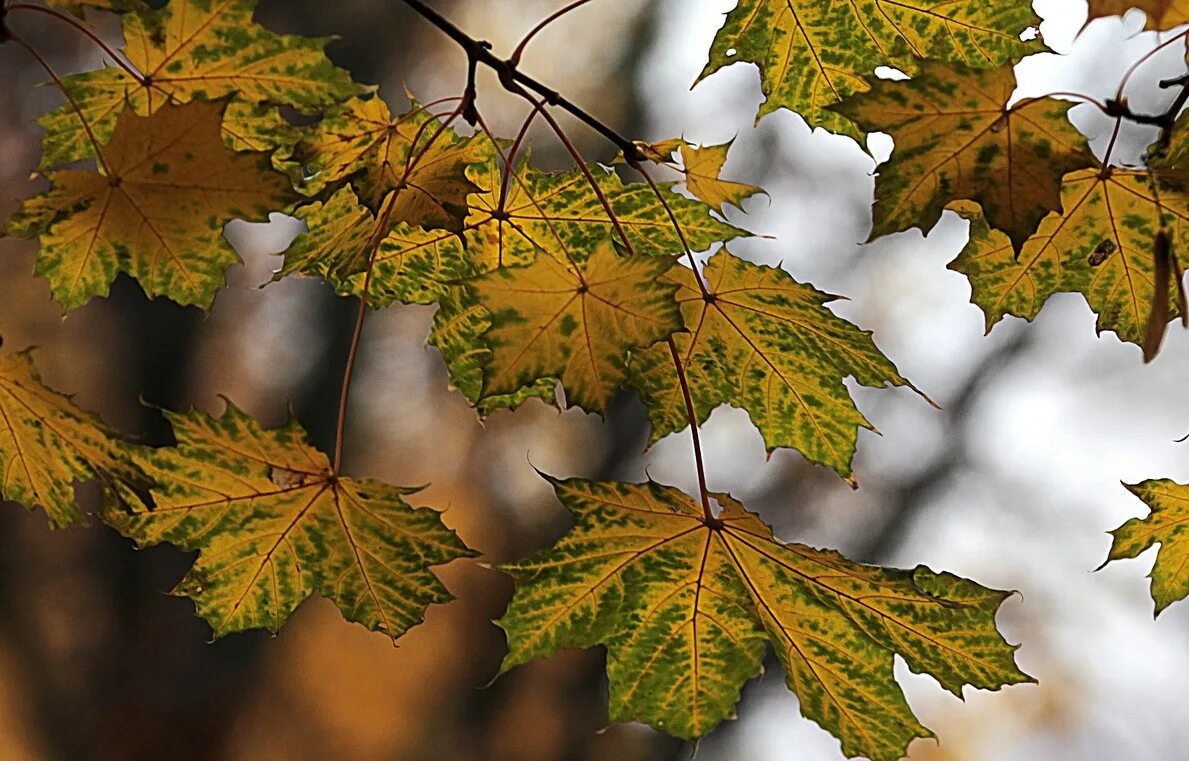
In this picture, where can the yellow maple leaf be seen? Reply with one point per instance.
(702, 166)
(157, 213)
(686, 607)
(361, 141)
(811, 54)
(1102, 245)
(47, 443)
(765, 343)
(577, 323)
(956, 138)
(194, 50)
(1166, 525)
(273, 524)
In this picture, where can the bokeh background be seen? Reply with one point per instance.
(1014, 484)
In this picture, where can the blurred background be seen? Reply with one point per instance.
(1014, 484)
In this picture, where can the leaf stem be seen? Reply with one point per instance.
(1144, 59)
(676, 225)
(127, 67)
(711, 519)
(514, 59)
(70, 98)
(479, 52)
(374, 244)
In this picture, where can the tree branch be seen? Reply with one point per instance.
(479, 52)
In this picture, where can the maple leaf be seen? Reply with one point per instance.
(76, 7)
(272, 524)
(260, 128)
(47, 443)
(194, 49)
(765, 343)
(812, 54)
(544, 214)
(702, 167)
(1101, 245)
(558, 215)
(158, 213)
(1166, 525)
(686, 608)
(576, 323)
(956, 138)
(1162, 14)
(361, 141)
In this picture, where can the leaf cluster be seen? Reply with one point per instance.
(569, 287)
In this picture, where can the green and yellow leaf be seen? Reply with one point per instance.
(1162, 14)
(273, 524)
(956, 138)
(1168, 525)
(47, 443)
(195, 50)
(544, 214)
(1101, 245)
(702, 167)
(158, 214)
(77, 7)
(813, 54)
(686, 609)
(414, 153)
(765, 343)
(575, 322)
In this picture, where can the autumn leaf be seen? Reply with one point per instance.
(77, 7)
(686, 608)
(1162, 14)
(362, 142)
(158, 212)
(559, 215)
(261, 128)
(812, 54)
(47, 443)
(956, 138)
(702, 168)
(576, 323)
(194, 50)
(1101, 245)
(765, 343)
(1166, 525)
(273, 524)
(544, 214)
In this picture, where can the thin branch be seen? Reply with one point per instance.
(1110, 147)
(711, 519)
(514, 59)
(1063, 94)
(373, 245)
(70, 98)
(132, 72)
(480, 52)
(1143, 59)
